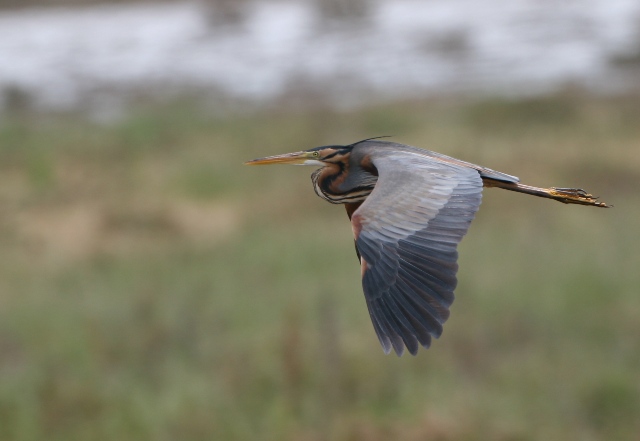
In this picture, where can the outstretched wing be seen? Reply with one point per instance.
(406, 233)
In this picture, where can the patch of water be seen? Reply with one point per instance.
(103, 55)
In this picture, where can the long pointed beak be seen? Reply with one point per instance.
(299, 158)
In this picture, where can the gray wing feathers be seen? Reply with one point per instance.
(484, 171)
(407, 232)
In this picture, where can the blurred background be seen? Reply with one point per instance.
(153, 288)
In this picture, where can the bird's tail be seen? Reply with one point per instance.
(565, 195)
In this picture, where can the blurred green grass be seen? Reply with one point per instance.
(153, 288)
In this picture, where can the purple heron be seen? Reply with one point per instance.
(409, 208)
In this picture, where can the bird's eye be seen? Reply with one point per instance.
(316, 154)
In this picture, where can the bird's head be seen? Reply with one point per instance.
(318, 156)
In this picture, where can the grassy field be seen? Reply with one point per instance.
(153, 288)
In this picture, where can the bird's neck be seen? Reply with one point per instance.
(330, 183)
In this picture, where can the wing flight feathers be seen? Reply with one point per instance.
(406, 234)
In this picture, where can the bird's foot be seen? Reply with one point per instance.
(575, 196)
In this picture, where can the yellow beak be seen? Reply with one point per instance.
(298, 158)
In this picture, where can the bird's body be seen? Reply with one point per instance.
(351, 176)
(409, 208)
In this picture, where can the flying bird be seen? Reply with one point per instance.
(409, 208)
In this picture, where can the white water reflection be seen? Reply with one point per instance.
(64, 58)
